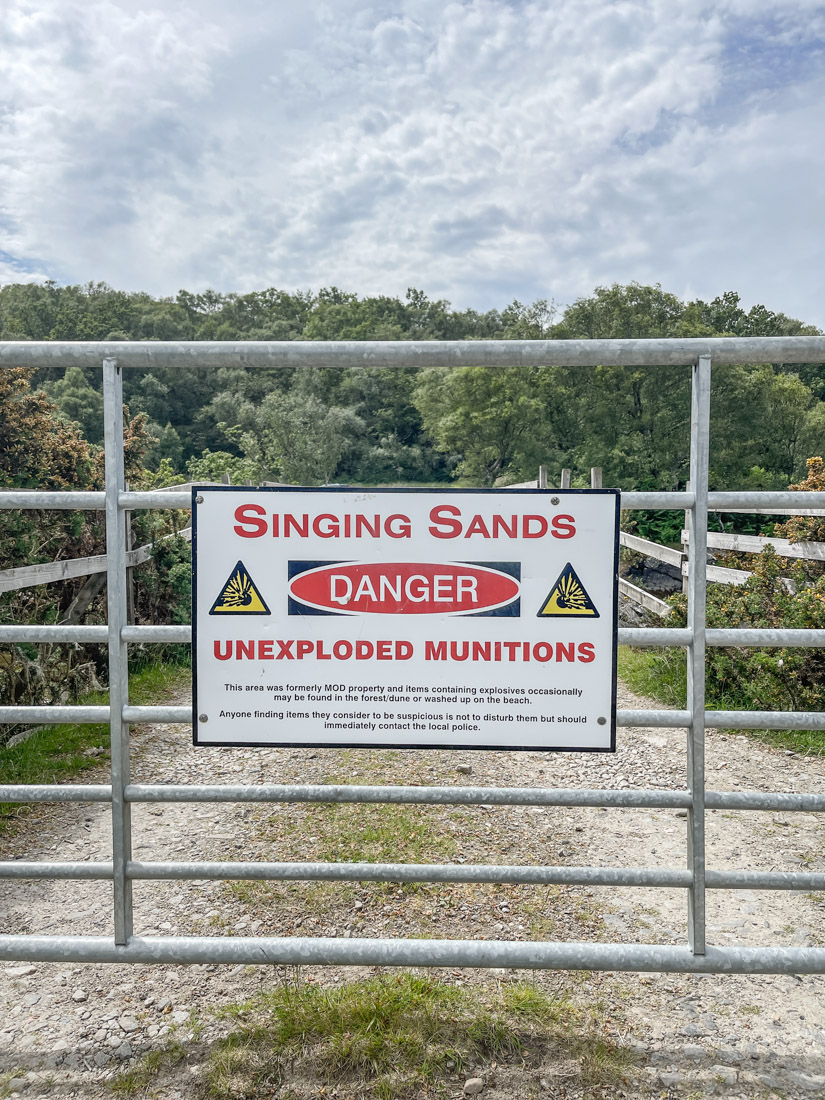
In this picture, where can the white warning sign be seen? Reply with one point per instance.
(405, 618)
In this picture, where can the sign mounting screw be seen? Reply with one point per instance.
(554, 500)
(199, 499)
(203, 717)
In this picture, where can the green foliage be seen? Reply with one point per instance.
(490, 417)
(634, 424)
(766, 679)
(399, 1035)
(79, 401)
(806, 528)
(296, 438)
(780, 678)
(57, 753)
(213, 465)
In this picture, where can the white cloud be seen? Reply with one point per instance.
(480, 150)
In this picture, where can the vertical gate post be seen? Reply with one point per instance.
(697, 592)
(118, 659)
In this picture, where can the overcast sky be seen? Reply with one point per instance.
(480, 150)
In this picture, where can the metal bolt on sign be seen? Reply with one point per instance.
(121, 945)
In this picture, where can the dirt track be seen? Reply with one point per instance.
(64, 1031)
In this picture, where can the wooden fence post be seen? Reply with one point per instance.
(565, 479)
(595, 477)
(542, 479)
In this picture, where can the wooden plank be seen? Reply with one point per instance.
(720, 575)
(27, 576)
(755, 544)
(644, 599)
(650, 549)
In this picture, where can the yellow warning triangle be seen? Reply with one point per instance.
(568, 597)
(239, 596)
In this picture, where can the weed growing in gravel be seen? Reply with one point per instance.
(141, 1076)
(341, 833)
(397, 1035)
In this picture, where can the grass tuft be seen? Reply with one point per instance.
(140, 1077)
(399, 1035)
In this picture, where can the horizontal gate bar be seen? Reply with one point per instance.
(764, 800)
(653, 719)
(261, 871)
(89, 715)
(52, 792)
(413, 353)
(634, 501)
(45, 716)
(436, 796)
(410, 872)
(766, 719)
(764, 637)
(19, 868)
(636, 636)
(433, 796)
(59, 633)
(764, 880)
(325, 951)
(54, 500)
(720, 502)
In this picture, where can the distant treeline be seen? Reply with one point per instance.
(377, 426)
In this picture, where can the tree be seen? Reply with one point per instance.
(79, 401)
(491, 418)
(297, 438)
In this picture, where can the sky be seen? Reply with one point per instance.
(480, 150)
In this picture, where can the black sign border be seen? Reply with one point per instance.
(199, 742)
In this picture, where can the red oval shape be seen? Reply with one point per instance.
(404, 588)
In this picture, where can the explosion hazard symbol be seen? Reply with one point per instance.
(568, 597)
(239, 596)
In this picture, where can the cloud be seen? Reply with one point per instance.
(481, 149)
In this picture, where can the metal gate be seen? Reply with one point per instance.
(121, 793)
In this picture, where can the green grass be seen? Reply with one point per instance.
(343, 833)
(136, 1081)
(658, 673)
(399, 1035)
(661, 674)
(58, 753)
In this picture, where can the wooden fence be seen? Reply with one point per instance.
(29, 575)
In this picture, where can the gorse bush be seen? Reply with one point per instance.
(765, 679)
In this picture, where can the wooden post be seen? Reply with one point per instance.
(595, 477)
(542, 479)
(565, 479)
(225, 478)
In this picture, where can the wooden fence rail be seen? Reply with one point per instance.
(755, 544)
(27, 576)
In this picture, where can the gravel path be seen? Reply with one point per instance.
(66, 1031)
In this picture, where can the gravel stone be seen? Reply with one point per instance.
(473, 1086)
(660, 1017)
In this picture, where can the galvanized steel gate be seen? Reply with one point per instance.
(123, 946)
